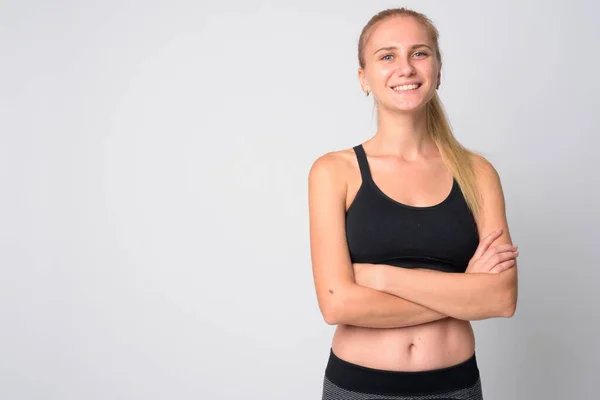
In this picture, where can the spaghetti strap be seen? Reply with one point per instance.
(363, 164)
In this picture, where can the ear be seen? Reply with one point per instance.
(364, 85)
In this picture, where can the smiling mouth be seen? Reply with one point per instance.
(406, 88)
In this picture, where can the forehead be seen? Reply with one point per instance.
(398, 31)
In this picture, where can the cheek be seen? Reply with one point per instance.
(427, 70)
(384, 74)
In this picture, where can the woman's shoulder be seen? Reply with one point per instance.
(488, 181)
(483, 168)
(333, 166)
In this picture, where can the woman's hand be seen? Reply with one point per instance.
(492, 259)
(368, 275)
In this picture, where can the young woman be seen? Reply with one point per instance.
(409, 239)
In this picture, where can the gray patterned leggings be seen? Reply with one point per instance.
(347, 381)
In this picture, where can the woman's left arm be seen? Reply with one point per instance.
(468, 296)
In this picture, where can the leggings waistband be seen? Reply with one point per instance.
(369, 380)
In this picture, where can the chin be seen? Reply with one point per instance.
(406, 108)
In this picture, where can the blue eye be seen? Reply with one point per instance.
(419, 54)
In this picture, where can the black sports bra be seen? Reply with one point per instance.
(380, 230)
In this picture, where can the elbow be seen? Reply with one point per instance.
(509, 311)
(331, 319)
(503, 306)
(333, 308)
(483, 313)
(509, 293)
(502, 309)
(330, 315)
(510, 300)
(334, 315)
(509, 307)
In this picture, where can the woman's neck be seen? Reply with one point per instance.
(403, 135)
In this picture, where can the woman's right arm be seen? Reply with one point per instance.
(341, 300)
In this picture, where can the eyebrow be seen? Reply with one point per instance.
(394, 48)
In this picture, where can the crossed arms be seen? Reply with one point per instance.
(381, 296)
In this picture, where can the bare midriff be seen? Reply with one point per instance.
(433, 345)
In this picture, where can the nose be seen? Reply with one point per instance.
(404, 67)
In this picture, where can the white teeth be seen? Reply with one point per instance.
(405, 87)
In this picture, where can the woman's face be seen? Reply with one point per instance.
(400, 52)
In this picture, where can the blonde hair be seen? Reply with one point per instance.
(456, 157)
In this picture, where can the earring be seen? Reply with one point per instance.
(367, 93)
(438, 86)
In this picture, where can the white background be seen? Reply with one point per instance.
(153, 190)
